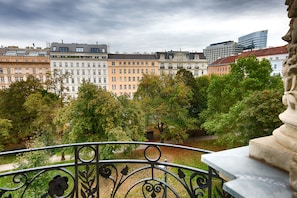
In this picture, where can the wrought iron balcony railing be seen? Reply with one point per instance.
(113, 169)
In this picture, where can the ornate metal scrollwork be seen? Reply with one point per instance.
(152, 189)
(147, 176)
(88, 186)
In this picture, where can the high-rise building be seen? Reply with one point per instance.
(83, 62)
(170, 62)
(16, 64)
(255, 40)
(221, 50)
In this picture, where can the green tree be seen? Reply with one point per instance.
(44, 105)
(198, 87)
(96, 113)
(5, 126)
(227, 96)
(255, 116)
(166, 100)
(12, 107)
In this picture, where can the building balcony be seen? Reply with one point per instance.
(111, 169)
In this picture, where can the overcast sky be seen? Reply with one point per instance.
(140, 25)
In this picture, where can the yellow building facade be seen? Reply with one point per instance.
(126, 70)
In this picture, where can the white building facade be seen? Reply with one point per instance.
(170, 62)
(82, 62)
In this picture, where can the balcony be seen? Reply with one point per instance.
(113, 169)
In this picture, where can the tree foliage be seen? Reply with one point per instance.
(254, 116)
(96, 113)
(12, 106)
(5, 126)
(234, 100)
(198, 87)
(166, 100)
(44, 105)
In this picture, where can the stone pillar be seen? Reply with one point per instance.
(280, 149)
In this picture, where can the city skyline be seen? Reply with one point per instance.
(140, 26)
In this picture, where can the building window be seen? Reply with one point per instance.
(2, 79)
(113, 63)
(63, 49)
(1, 70)
(79, 49)
(94, 50)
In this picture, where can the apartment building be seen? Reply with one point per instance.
(83, 62)
(126, 70)
(275, 55)
(170, 62)
(17, 64)
(221, 50)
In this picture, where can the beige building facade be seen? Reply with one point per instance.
(126, 70)
(170, 62)
(17, 64)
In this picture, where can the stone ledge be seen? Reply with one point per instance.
(248, 177)
(268, 150)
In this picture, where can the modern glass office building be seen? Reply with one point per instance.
(255, 40)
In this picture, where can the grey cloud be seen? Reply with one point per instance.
(125, 21)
